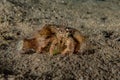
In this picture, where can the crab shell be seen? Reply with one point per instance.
(56, 38)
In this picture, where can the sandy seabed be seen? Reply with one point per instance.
(98, 20)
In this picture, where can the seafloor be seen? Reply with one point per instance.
(98, 20)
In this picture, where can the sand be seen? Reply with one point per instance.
(98, 21)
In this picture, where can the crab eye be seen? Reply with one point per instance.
(48, 36)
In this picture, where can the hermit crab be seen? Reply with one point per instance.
(55, 39)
